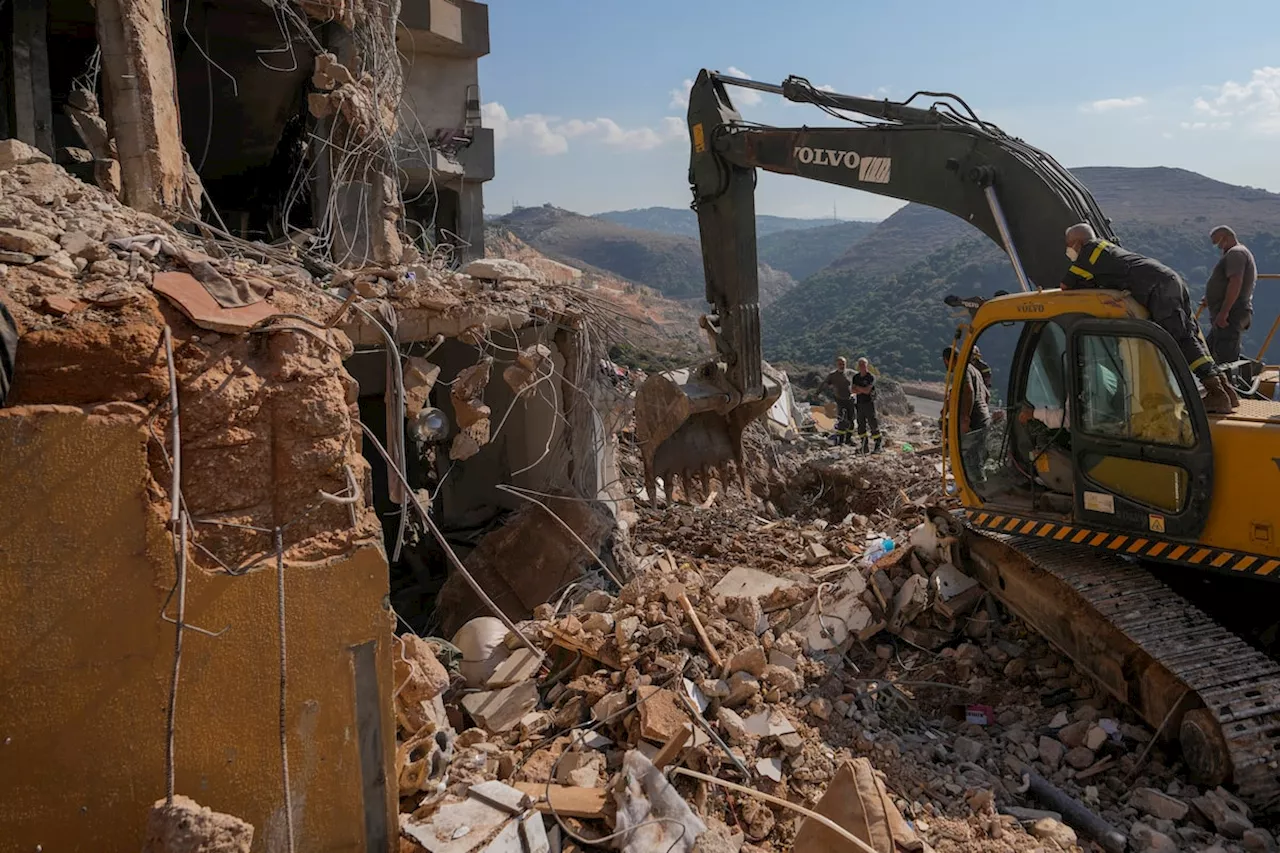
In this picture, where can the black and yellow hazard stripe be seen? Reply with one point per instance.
(1132, 545)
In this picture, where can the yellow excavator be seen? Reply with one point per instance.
(1099, 470)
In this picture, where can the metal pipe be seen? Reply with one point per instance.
(771, 88)
(990, 191)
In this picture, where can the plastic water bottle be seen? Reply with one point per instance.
(877, 550)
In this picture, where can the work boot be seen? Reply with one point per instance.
(864, 445)
(1229, 384)
(1216, 399)
(879, 445)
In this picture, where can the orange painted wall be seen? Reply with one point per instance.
(85, 660)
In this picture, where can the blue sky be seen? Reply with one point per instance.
(585, 95)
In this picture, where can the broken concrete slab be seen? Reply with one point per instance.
(496, 711)
(744, 581)
(15, 152)
(483, 822)
(498, 269)
(420, 377)
(581, 769)
(662, 714)
(568, 800)
(836, 614)
(185, 826)
(27, 242)
(522, 563)
(521, 665)
(1158, 804)
(467, 393)
(752, 659)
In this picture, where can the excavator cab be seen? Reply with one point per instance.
(1097, 419)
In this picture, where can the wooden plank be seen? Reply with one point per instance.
(570, 801)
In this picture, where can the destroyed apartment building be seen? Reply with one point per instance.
(262, 395)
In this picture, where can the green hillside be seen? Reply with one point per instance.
(668, 263)
(884, 296)
(803, 252)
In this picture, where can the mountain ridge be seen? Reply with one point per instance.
(882, 297)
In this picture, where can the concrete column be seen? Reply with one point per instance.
(360, 200)
(28, 69)
(471, 220)
(142, 104)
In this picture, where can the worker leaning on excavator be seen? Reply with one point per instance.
(1101, 264)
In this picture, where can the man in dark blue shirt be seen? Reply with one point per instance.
(864, 406)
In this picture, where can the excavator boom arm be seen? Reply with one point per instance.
(934, 157)
(941, 156)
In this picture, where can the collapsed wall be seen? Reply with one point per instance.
(278, 488)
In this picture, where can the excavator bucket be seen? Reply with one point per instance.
(688, 427)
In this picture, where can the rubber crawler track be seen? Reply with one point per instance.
(1238, 684)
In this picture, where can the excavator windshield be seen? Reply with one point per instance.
(1060, 392)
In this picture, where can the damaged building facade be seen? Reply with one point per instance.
(269, 405)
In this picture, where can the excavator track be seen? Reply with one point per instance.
(1188, 676)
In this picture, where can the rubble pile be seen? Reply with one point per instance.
(67, 247)
(800, 656)
(260, 333)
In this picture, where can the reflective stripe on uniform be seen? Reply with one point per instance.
(1097, 252)
(1080, 271)
(1200, 362)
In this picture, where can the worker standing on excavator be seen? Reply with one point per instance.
(1229, 295)
(864, 405)
(1102, 264)
(840, 383)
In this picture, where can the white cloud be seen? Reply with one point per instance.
(532, 128)
(825, 87)
(1256, 103)
(1109, 104)
(680, 96)
(747, 97)
(550, 136)
(1205, 125)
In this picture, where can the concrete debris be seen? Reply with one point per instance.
(184, 826)
(490, 818)
(498, 710)
(14, 152)
(530, 366)
(498, 269)
(861, 688)
(1158, 804)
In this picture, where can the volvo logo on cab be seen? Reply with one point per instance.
(871, 169)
